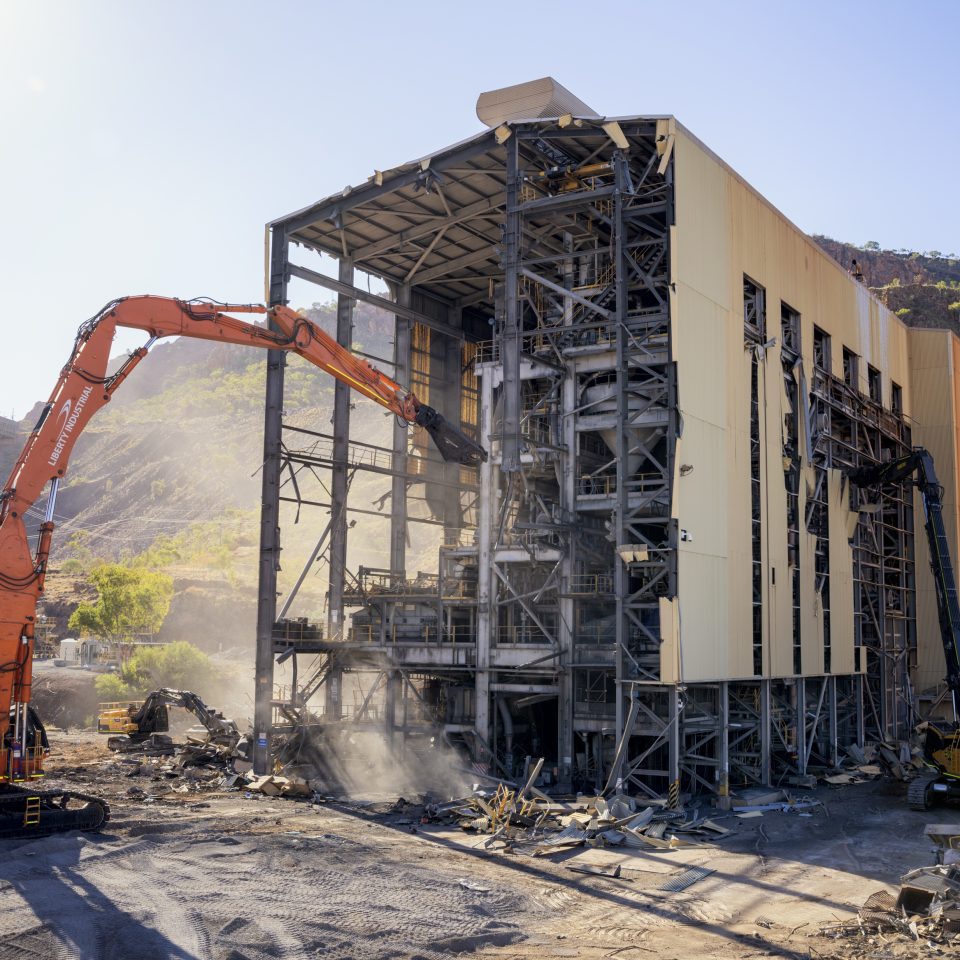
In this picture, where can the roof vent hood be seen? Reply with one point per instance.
(530, 101)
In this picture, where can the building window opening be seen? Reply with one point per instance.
(754, 334)
(821, 350)
(850, 369)
(789, 354)
(789, 332)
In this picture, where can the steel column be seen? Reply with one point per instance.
(621, 581)
(333, 701)
(800, 719)
(510, 350)
(566, 635)
(269, 563)
(765, 733)
(487, 511)
(723, 773)
(398, 496)
(452, 360)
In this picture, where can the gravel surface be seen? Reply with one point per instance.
(215, 875)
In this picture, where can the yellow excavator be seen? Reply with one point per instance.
(132, 723)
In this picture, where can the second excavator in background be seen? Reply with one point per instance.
(129, 724)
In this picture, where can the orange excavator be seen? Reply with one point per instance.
(83, 388)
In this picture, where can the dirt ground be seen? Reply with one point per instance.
(224, 876)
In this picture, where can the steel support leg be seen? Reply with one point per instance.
(269, 520)
(675, 748)
(511, 346)
(723, 780)
(398, 497)
(486, 512)
(800, 719)
(336, 629)
(765, 733)
(834, 732)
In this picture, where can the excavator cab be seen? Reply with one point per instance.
(134, 719)
(941, 750)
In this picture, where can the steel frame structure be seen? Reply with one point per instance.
(529, 270)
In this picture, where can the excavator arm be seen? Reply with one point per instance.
(919, 467)
(83, 388)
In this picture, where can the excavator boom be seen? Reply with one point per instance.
(83, 388)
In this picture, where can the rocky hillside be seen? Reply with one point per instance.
(922, 288)
(171, 469)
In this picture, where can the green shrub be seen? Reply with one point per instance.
(179, 665)
(111, 687)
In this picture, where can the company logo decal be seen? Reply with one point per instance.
(67, 417)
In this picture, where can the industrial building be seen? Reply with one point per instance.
(660, 580)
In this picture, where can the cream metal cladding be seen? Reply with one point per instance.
(934, 366)
(724, 231)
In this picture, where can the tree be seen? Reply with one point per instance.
(871, 245)
(130, 602)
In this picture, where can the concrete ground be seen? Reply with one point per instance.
(217, 875)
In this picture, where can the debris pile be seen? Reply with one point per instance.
(203, 762)
(198, 748)
(926, 909)
(900, 761)
(273, 786)
(510, 818)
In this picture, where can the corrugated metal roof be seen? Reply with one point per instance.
(436, 222)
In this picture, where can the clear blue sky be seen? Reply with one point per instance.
(146, 144)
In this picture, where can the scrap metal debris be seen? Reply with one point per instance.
(926, 909)
(508, 818)
(686, 879)
(471, 885)
(614, 874)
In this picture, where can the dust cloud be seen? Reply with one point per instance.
(361, 764)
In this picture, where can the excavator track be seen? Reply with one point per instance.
(918, 793)
(26, 813)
